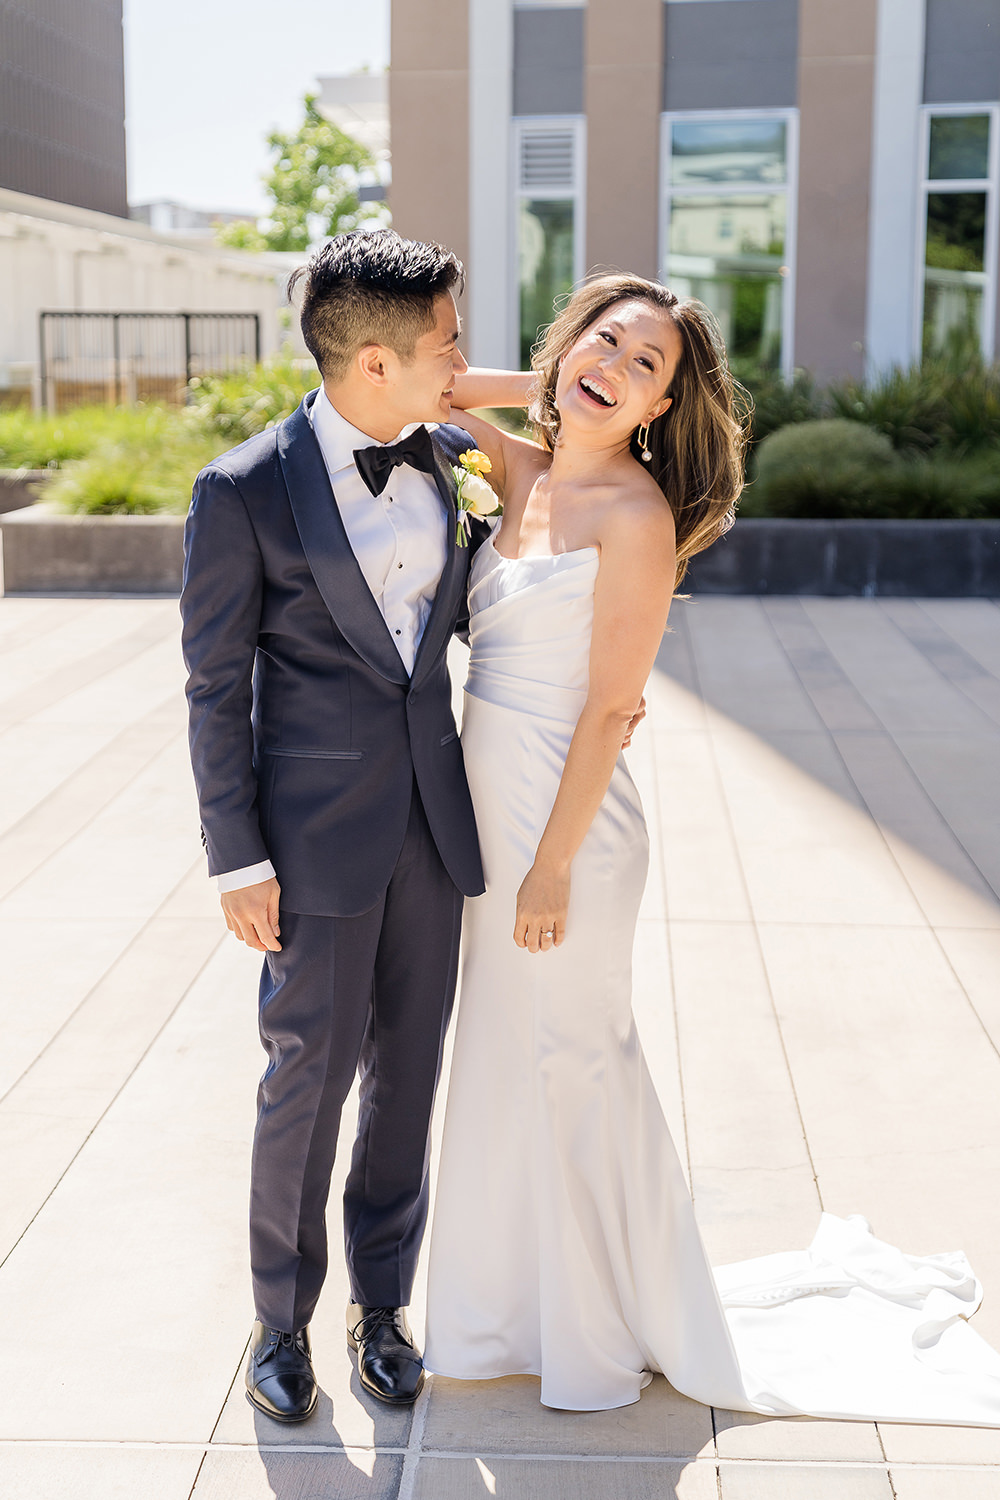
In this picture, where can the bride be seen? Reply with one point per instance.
(564, 1243)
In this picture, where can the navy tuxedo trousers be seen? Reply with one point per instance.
(369, 994)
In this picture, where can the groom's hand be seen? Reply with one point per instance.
(252, 915)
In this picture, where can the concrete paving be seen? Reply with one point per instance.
(817, 985)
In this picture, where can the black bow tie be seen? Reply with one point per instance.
(376, 464)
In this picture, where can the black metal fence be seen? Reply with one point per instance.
(123, 357)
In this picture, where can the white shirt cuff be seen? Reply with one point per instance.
(235, 880)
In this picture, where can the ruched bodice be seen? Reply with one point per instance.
(529, 634)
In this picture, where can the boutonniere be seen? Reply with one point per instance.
(473, 496)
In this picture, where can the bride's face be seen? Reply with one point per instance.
(613, 378)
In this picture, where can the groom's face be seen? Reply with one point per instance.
(422, 389)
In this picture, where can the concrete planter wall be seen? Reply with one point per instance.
(896, 559)
(20, 487)
(45, 551)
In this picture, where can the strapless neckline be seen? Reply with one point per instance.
(538, 556)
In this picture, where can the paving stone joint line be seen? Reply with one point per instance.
(878, 823)
(701, 1460)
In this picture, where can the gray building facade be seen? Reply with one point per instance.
(825, 176)
(62, 102)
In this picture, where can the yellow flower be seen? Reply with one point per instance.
(475, 462)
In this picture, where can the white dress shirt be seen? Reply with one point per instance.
(400, 540)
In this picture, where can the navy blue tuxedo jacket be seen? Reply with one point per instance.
(306, 731)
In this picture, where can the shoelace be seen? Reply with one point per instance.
(278, 1340)
(378, 1317)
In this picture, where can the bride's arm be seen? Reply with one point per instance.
(631, 601)
(492, 388)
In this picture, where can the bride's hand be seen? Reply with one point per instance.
(542, 901)
(634, 722)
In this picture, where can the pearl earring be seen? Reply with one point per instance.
(643, 436)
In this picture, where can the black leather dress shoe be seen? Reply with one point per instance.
(280, 1379)
(389, 1367)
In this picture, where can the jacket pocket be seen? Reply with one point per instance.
(316, 754)
(446, 739)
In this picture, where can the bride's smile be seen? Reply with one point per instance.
(615, 376)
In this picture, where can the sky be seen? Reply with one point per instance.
(205, 80)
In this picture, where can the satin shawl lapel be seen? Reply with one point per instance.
(454, 576)
(324, 540)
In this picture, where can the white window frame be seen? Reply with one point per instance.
(790, 117)
(521, 126)
(990, 185)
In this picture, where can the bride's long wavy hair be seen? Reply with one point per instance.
(699, 443)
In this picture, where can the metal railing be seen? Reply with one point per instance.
(119, 358)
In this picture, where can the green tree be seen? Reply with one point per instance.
(313, 184)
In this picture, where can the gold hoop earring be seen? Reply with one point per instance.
(643, 439)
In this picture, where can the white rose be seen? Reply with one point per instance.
(478, 497)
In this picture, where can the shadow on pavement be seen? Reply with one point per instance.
(910, 736)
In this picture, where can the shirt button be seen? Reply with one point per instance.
(399, 565)
(399, 632)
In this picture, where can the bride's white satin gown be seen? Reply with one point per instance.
(564, 1242)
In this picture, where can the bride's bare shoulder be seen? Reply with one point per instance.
(635, 514)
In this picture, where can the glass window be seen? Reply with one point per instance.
(958, 291)
(729, 253)
(722, 151)
(727, 226)
(549, 156)
(954, 261)
(959, 147)
(545, 264)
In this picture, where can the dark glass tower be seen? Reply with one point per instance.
(62, 101)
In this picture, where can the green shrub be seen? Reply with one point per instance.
(923, 442)
(777, 403)
(32, 440)
(907, 406)
(143, 459)
(941, 404)
(836, 468)
(150, 471)
(820, 468)
(973, 412)
(946, 403)
(941, 487)
(236, 407)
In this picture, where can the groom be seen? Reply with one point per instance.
(323, 583)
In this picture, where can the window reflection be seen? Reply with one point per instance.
(545, 263)
(727, 217)
(729, 252)
(956, 283)
(959, 147)
(954, 279)
(726, 151)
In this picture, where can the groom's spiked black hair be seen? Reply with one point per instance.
(371, 287)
